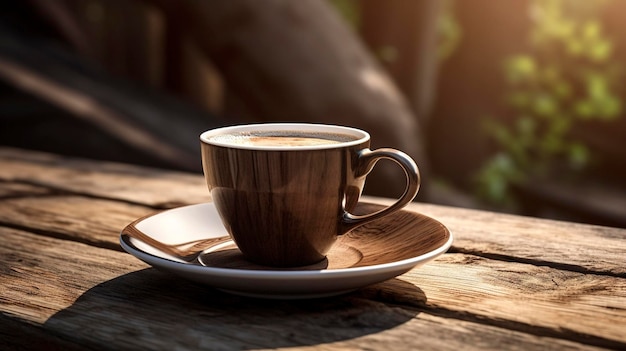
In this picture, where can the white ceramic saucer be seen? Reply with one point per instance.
(372, 253)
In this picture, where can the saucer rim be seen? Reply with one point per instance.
(290, 273)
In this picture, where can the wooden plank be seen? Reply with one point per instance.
(566, 245)
(152, 187)
(117, 303)
(94, 221)
(42, 275)
(496, 291)
(532, 296)
(11, 190)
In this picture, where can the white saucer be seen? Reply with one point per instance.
(375, 252)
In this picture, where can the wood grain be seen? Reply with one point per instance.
(527, 295)
(509, 282)
(573, 246)
(12, 190)
(82, 219)
(533, 296)
(41, 285)
(477, 232)
(152, 187)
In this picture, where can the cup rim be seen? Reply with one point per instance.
(361, 135)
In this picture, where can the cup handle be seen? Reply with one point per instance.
(366, 161)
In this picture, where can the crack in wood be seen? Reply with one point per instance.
(60, 191)
(424, 307)
(561, 333)
(535, 262)
(62, 236)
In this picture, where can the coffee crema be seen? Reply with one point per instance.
(282, 138)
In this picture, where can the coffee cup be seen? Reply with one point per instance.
(286, 191)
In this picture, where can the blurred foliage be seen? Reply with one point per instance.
(569, 77)
(449, 31)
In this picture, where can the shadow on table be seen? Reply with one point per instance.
(166, 312)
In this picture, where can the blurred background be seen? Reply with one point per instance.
(514, 105)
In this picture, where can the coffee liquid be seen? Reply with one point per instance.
(283, 138)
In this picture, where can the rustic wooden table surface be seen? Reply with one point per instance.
(508, 282)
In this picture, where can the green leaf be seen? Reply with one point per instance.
(597, 86)
(562, 89)
(610, 107)
(591, 30)
(519, 99)
(526, 125)
(578, 155)
(520, 68)
(545, 105)
(584, 109)
(560, 125)
(574, 46)
(600, 51)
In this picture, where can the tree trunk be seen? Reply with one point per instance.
(297, 61)
(403, 34)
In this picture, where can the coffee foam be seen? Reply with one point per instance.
(287, 138)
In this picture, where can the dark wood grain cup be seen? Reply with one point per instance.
(286, 191)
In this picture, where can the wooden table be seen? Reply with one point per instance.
(508, 282)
